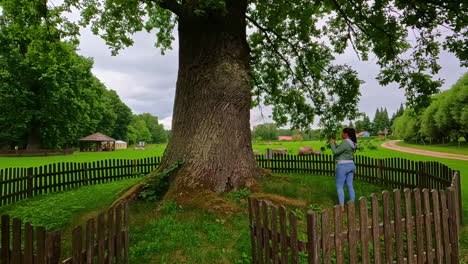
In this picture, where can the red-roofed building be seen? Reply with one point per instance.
(363, 134)
(285, 138)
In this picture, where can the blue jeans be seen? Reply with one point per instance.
(344, 174)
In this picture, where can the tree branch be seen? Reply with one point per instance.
(171, 5)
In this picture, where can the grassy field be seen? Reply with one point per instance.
(22, 162)
(446, 148)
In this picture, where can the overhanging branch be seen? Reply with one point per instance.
(171, 5)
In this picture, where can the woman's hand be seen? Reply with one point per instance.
(332, 140)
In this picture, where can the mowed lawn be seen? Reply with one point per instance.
(130, 153)
(452, 148)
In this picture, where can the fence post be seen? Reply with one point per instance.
(453, 225)
(380, 170)
(422, 181)
(84, 170)
(53, 247)
(133, 167)
(457, 182)
(30, 182)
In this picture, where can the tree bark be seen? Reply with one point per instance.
(211, 117)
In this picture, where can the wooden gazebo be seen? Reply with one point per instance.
(97, 142)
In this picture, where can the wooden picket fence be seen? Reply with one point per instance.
(20, 183)
(104, 240)
(389, 173)
(413, 230)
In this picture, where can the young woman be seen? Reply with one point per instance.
(344, 156)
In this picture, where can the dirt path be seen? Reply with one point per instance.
(392, 145)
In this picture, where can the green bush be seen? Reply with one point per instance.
(156, 185)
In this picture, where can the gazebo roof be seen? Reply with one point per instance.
(98, 137)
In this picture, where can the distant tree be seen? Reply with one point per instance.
(266, 131)
(398, 113)
(363, 125)
(406, 126)
(48, 95)
(158, 134)
(123, 116)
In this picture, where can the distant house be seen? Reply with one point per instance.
(363, 134)
(119, 144)
(285, 138)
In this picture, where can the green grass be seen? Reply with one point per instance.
(451, 148)
(175, 234)
(23, 162)
(57, 210)
(65, 210)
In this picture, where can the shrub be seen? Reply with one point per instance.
(239, 194)
(156, 185)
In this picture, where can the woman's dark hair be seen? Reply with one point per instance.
(351, 132)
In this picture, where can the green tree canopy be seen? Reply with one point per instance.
(444, 118)
(48, 96)
(267, 131)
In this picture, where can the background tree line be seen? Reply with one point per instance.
(49, 97)
(270, 131)
(445, 119)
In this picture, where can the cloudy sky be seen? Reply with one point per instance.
(145, 79)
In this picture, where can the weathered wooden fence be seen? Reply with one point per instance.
(20, 183)
(390, 172)
(104, 240)
(420, 228)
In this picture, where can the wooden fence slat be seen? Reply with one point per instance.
(376, 229)
(409, 227)
(313, 240)
(445, 227)
(101, 229)
(419, 226)
(28, 243)
(90, 241)
(5, 239)
(387, 227)
(258, 231)
(437, 229)
(118, 234)
(352, 238)
(283, 237)
(252, 226)
(325, 237)
(126, 233)
(364, 234)
(53, 247)
(293, 235)
(41, 245)
(338, 230)
(16, 250)
(453, 225)
(398, 226)
(111, 235)
(265, 226)
(274, 235)
(77, 244)
(428, 226)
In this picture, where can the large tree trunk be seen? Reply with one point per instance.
(211, 118)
